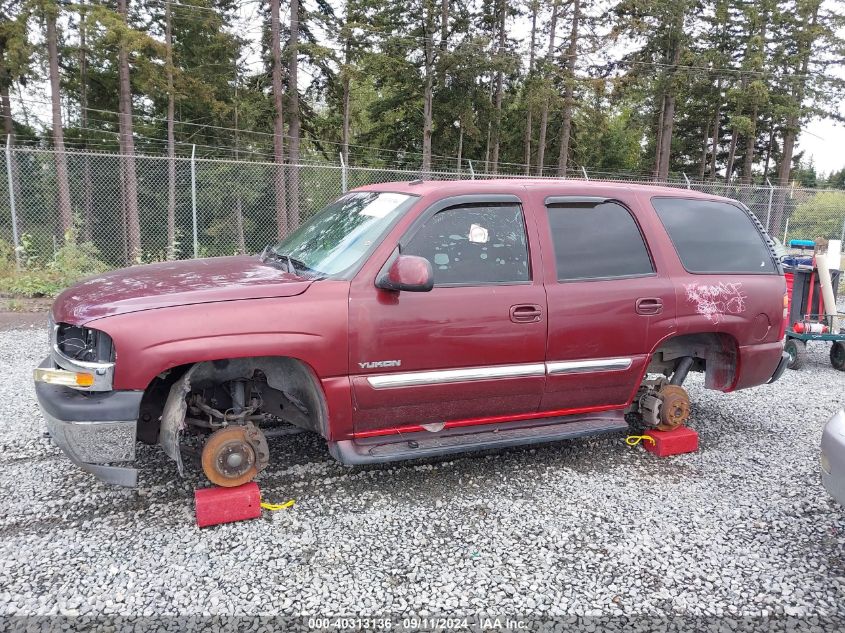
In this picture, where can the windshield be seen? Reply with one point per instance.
(338, 237)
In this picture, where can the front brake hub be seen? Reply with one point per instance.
(674, 407)
(234, 455)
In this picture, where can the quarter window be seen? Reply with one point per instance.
(597, 241)
(474, 245)
(714, 237)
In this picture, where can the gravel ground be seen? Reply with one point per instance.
(743, 528)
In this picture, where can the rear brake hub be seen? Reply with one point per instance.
(674, 407)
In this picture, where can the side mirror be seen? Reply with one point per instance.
(406, 272)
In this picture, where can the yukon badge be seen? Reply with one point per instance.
(374, 364)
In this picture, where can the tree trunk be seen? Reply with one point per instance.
(566, 125)
(133, 228)
(529, 109)
(544, 113)
(659, 140)
(347, 50)
(769, 148)
(9, 128)
(497, 105)
(62, 183)
(282, 225)
(87, 187)
(171, 137)
(729, 168)
(664, 151)
(702, 169)
(428, 91)
(294, 123)
(792, 127)
(750, 140)
(460, 148)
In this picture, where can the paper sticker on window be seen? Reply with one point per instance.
(478, 234)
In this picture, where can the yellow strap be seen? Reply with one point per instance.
(277, 506)
(633, 440)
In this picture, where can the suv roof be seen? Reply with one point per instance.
(500, 185)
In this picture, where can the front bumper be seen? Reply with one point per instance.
(93, 428)
(833, 456)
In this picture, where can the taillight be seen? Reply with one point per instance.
(785, 316)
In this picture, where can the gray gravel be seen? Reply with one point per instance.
(586, 527)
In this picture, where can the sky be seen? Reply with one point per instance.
(824, 141)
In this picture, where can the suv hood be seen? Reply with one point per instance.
(174, 284)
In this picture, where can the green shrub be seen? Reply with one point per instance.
(72, 262)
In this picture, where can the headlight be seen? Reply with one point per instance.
(84, 344)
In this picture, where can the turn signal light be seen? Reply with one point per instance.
(64, 378)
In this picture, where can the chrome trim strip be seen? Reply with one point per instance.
(590, 365)
(445, 376)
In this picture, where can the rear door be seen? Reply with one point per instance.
(608, 302)
(471, 350)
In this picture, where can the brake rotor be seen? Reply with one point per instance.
(674, 408)
(229, 457)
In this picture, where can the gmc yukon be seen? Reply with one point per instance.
(421, 318)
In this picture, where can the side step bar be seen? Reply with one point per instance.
(415, 445)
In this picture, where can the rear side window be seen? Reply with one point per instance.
(597, 241)
(714, 237)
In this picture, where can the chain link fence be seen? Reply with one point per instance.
(223, 207)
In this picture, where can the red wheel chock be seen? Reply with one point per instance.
(226, 505)
(675, 442)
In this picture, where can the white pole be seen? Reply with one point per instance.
(12, 201)
(471, 170)
(685, 178)
(584, 171)
(785, 229)
(194, 199)
(769, 212)
(343, 182)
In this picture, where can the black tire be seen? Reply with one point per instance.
(797, 351)
(837, 355)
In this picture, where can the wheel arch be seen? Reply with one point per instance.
(285, 373)
(715, 353)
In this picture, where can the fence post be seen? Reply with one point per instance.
(687, 179)
(12, 201)
(785, 229)
(194, 198)
(842, 234)
(471, 170)
(343, 182)
(769, 211)
(584, 171)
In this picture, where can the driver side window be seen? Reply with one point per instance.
(474, 245)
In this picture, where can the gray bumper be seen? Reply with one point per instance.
(833, 456)
(93, 429)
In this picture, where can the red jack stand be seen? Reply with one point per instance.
(226, 505)
(675, 442)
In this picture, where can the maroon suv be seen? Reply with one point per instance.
(413, 319)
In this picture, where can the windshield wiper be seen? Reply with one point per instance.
(291, 263)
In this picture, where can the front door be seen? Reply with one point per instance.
(608, 304)
(468, 352)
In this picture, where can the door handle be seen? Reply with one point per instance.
(526, 313)
(649, 305)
